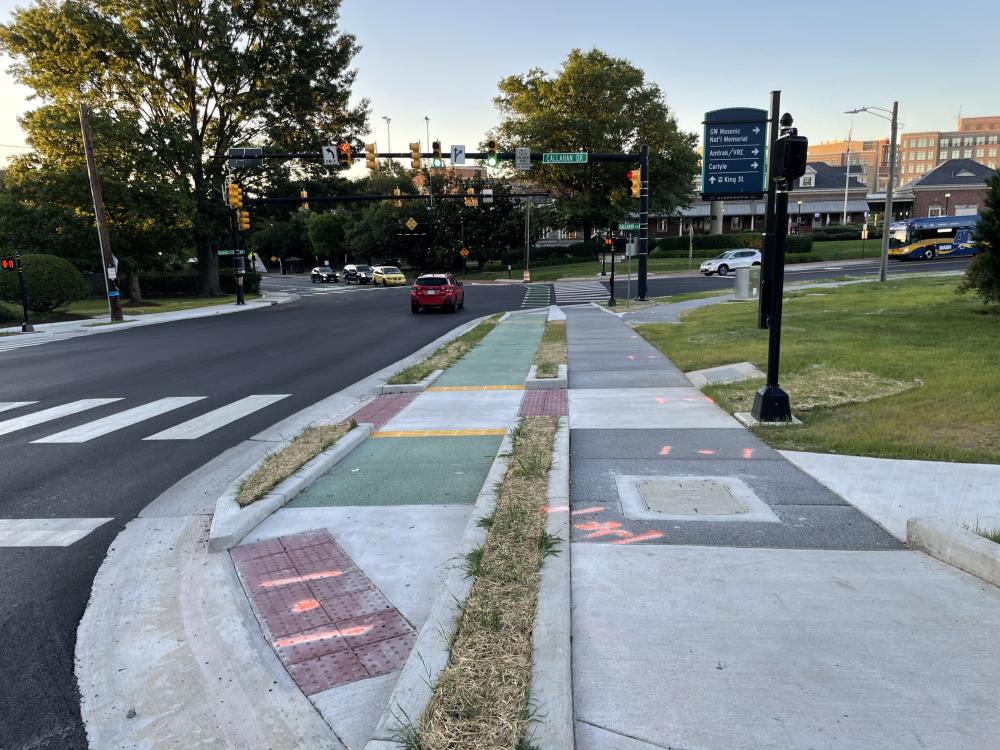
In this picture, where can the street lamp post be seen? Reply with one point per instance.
(798, 218)
(388, 140)
(893, 117)
(947, 199)
(430, 186)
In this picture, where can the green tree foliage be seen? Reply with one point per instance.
(982, 275)
(192, 78)
(597, 103)
(49, 281)
(326, 235)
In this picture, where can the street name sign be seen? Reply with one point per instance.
(458, 154)
(522, 158)
(629, 226)
(574, 157)
(734, 163)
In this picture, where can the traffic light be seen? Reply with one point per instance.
(415, 155)
(633, 180)
(397, 203)
(608, 244)
(8, 264)
(304, 194)
(436, 159)
(234, 196)
(491, 153)
(344, 154)
(244, 218)
(471, 201)
(370, 155)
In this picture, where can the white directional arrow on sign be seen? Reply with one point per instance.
(329, 155)
(756, 129)
(756, 151)
(458, 154)
(754, 165)
(712, 179)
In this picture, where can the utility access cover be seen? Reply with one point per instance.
(689, 497)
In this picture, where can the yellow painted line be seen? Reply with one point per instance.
(476, 388)
(437, 433)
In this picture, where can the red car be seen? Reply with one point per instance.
(437, 290)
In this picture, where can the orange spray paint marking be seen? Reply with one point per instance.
(582, 511)
(597, 530)
(706, 452)
(300, 579)
(748, 453)
(643, 537)
(306, 605)
(556, 509)
(660, 400)
(708, 399)
(356, 631)
(665, 450)
(295, 640)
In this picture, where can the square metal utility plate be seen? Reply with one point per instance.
(691, 498)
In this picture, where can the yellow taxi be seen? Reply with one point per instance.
(388, 276)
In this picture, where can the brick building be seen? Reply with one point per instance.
(955, 188)
(869, 158)
(975, 138)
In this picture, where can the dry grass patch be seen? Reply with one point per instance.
(481, 699)
(552, 350)
(817, 387)
(279, 466)
(446, 355)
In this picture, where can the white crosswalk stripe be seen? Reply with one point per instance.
(55, 412)
(119, 421)
(21, 340)
(46, 532)
(8, 405)
(580, 292)
(213, 420)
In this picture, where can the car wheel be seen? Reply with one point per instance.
(414, 308)
(755, 263)
(929, 254)
(461, 305)
(723, 269)
(312, 280)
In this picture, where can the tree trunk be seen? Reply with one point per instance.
(588, 228)
(204, 242)
(134, 292)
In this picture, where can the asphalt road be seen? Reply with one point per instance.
(307, 349)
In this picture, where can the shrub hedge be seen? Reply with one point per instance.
(49, 280)
(189, 284)
(709, 245)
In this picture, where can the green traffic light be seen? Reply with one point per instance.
(436, 162)
(492, 160)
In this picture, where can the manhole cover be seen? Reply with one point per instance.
(689, 497)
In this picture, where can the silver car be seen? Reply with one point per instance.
(740, 258)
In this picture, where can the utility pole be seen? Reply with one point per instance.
(887, 222)
(847, 177)
(107, 259)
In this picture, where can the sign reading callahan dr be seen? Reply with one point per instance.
(734, 163)
(573, 157)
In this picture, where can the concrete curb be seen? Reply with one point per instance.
(551, 696)
(956, 546)
(231, 522)
(430, 653)
(535, 383)
(411, 387)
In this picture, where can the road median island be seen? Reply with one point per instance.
(902, 370)
(552, 350)
(481, 697)
(446, 355)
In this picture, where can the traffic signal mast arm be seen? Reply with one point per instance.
(594, 156)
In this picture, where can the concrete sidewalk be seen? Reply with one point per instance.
(725, 599)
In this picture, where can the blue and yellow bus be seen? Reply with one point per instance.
(933, 237)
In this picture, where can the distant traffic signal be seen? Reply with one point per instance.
(370, 155)
(397, 203)
(415, 155)
(344, 154)
(304, 194)
(471, 201)
(244, 217)
(234, 196)
(491, 153)
(633, 179)
(8, 264)
(436, 159)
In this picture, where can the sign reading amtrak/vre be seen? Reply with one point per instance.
(734, 163)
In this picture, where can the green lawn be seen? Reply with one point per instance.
(905, 370)
(93, 306)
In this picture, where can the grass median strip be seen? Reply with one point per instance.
(279, 466)
(446, 355)
(552, 350)
(481, 698)
(898, 370)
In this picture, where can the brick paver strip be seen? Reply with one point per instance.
(382, 409)
(544, 403)
(326, 620)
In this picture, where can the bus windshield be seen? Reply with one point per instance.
(899, 237)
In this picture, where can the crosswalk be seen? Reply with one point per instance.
(536, 295)
(322, 290)
(580, 292)
(9, 343)
(190, 429)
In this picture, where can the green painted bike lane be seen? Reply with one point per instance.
(388, 471)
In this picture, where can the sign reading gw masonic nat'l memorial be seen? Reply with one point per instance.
(734, 163)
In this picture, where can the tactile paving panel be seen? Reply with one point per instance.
(382, 409)
(326, 620)
(544, 403)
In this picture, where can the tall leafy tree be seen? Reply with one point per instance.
(597, 103)
(194, 78)
(982, 275)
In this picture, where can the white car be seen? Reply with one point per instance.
(743, 257)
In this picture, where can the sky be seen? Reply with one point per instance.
(442, 59)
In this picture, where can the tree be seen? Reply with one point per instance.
(982, 275)
(597, 103)
(326, 235)
(195, 77)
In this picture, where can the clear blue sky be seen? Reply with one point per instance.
(443, 58)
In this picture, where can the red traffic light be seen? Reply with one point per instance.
(345, 147)
(8, 264)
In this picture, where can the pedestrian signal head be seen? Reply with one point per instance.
(8, 264)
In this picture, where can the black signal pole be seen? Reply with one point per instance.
(611, 287)
(26, 326)
(643, 224)
(767, 256)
